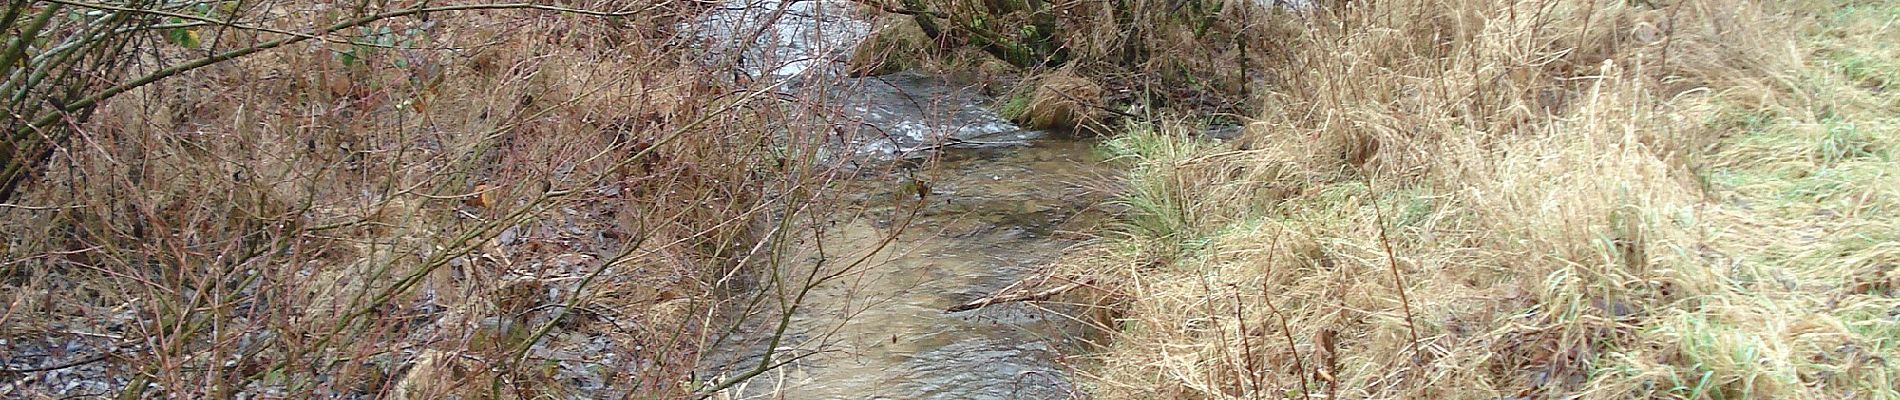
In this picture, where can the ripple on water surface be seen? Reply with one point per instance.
(882, 333)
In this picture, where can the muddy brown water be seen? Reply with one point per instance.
(994, 217)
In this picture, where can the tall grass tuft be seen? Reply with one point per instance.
(1583, 200)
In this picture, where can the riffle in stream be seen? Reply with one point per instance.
(880, 331)
(997, 211)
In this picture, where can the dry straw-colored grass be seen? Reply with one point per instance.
(488, 208)
(1062, 100)
(1526, 199)
(1142, 57)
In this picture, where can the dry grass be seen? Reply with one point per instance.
(1059, 100)
(1578, 200)
(1140, 57)
(503, 204)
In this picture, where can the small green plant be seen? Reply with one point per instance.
(1015, 106)
(1844, 140)
(1167, 188)
(371, 42)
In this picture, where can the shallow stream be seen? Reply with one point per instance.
(993, 217)
(1002, 203)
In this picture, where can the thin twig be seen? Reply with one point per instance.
(69, 364)
(1020, 297)
(1392, 262)
(1299, 366)
(155, 76)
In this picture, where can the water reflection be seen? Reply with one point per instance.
(993, 217)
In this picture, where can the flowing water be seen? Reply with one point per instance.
(881, 330)
(1002, 204)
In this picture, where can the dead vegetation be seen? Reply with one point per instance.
(1133, 60)
(1545, 199)
(1062, 100)
(1467, 199)
(504, 203)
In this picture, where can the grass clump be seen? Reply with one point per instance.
(1138, 58)
(1482, 199)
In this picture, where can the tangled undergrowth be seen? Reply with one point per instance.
(1526, 199)
(1112, 60)
(499, 203)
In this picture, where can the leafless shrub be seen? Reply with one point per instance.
(366, 199)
